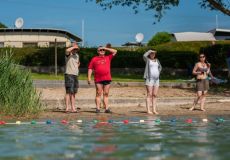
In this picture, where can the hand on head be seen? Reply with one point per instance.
(108, 45)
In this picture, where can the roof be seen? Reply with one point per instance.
(194, 36)
(42, 30)
(220, 32)
(132, 44)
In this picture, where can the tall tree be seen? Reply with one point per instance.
(2, 25)
(161, 6)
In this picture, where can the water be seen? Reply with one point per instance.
(150, 141)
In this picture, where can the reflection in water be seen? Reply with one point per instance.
(89, 140)
(107, 133)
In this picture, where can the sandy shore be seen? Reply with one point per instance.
(125, 92)
(215, 108)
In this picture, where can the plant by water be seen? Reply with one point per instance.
(18, 96)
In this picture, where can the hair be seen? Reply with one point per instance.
(99, 47)
(206, 61)
(154, 53)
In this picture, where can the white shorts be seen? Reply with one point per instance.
(152, 82)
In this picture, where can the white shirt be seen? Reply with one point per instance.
(72, 64)
(153, 69)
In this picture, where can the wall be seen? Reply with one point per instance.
(16, 39)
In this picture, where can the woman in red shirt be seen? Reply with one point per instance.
(100, 64)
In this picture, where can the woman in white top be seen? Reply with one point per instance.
(151, 76)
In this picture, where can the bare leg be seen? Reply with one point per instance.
(154, 99)
(67, 101)
(106, 96)
(149, 90)
(99, 90)
(199, 94)
(203, 98)
(72, 97)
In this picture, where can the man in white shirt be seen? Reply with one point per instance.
(71, 76)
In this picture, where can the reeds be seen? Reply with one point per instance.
(18, 96)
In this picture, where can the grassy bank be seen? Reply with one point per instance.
(18, 96)
(115, 77)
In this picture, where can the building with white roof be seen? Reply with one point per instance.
(212, 35)
(193, 36)
(36, 38)
(221, 34)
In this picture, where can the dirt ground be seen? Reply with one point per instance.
(222, 108)
(133, 111)
(124, 92)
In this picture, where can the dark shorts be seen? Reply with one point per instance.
(71, 83)
(202, 84)
(104, 82)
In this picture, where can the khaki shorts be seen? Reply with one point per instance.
(152, 82)
(202, 84)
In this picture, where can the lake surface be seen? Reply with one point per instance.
(171, 138)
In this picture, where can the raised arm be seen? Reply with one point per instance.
(113, 51)
(145, 56)
(70, 49)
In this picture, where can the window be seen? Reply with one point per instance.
(30, 44)
(1, 44)
(59, 44)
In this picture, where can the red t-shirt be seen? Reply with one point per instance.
(101, 67)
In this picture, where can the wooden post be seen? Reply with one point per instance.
(55, 57)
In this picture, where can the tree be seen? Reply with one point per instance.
(160, 6)
(2, 25)
(160, 38)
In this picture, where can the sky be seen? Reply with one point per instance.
(116, 26)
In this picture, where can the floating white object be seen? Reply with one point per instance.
(205, 120)
(139, 37)
(142, 121)
(79, 121)
(19, 23)
(18, 122)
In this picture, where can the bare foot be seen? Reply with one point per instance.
(67, 110)
(202, 109)
(150, 112)
(74, 111)
(155, 112)
(191, 109)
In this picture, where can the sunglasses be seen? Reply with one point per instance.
(101, 50)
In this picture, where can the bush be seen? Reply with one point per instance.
(173, 55)
(18, 96)
(216, 55)
(160, 38)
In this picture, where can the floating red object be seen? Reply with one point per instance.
(64, 121)
(126, 121)
(189, 121)
(2, 122)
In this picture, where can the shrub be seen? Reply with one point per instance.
(172, 55)
(18, 96)
(160, 38)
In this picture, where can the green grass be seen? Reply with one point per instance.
(115, 77)
(123, 78)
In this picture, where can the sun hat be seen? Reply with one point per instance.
(74, 47)
(153, 51)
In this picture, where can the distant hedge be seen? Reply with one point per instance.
(172, 55)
